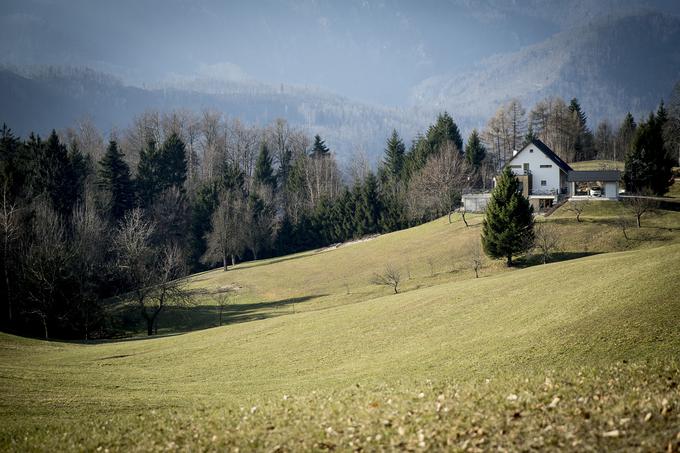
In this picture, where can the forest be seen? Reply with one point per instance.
(89, 222)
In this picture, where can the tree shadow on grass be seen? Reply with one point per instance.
(535, 260)
(175, 320)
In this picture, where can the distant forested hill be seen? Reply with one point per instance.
(45, 98)
(612, 66)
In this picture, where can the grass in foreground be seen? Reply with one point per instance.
(341, 367)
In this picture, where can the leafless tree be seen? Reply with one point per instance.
(10, 227)
(436, 188)
(623, 222)
(89, 235)
(546, 240)
(222, 300)
(260, 221)
(390, 276)
(156, 276)
(553, 122)
(47, 262)
(640, 204)
(605, 144)
(226, 237)
(475, 256)
(169, 287)
(577, 207)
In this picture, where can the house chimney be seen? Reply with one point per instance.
(514, 152)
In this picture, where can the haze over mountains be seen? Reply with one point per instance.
(350, 73)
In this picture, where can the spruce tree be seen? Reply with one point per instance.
(367, 212)
(319, 149)
(443, 130)
(264, 171)
(648, 165)
(508, 226)
(173, 163)
(475, 150)
(57, 177)
(148, 174)
(161, 168)
(583, 144)
(394, 157)
(114, 177)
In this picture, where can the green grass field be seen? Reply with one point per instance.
(597, 165)
(580, 354)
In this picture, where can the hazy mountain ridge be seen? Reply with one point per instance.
(59, 97)
(612, 65)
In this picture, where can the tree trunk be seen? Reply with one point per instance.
(509, 263)
(637, 217)
(224, 261)
(476, 273)
(149, 326)
(233, 260)
(462, 213)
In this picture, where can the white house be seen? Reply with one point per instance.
(546, 179)
(542, 174)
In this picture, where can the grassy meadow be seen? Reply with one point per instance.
(581, 353)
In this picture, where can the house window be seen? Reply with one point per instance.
(531, 150)
(544, 182)
(515, 166)
(546, 166)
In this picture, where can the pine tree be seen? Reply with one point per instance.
(583, 144)
(160, 169)
(319, 149)
(173, 163)
(264, 171)
(367, 213)
(648, 165)
(395, 151)
(529, 136)
(508, 226)
(114, 177)
(475, 152)
(57, 177)
(148, 174)
(443, 130)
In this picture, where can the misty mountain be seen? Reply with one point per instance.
(40, 99)
(613, 65)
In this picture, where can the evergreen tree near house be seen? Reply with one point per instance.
(475, 151)
(264, 170)
(114, 178)
(508, 226)
(583, 140)
(319, 149)
(648, 164)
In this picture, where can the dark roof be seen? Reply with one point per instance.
(548, 152)
(589, 176)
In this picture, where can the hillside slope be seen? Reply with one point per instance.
(606, 65)
(590, 312)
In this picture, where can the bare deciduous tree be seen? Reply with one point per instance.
(623, 222)
(436, 189)
(390, 276)
(9, 224)
(227, 234)
(640, 204)
(222, 300)
(546, 240)
(475, 256)
(577, 207)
